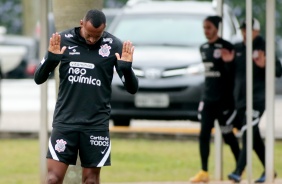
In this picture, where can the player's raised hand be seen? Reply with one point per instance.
(127, 52)
(55, 44)
(226, 55)
(259, 58)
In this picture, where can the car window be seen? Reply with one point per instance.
(180, 29)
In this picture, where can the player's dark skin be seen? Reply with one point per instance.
(56, 169)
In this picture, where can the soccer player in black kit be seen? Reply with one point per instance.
(238, 58)
(217, 101)
(87, 55)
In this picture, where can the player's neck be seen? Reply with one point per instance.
(213, 39)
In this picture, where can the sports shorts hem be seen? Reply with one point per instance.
(94, 166)
(67, 163)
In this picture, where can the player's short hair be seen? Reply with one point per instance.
(255, 23)
(215, 20)
(96, 17)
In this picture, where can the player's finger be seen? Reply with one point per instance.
(50, 42)
(132, 49)
(57, 38)
(126, 46)
(118, 56)
(129, 47)
(54, 39)
(63, 49)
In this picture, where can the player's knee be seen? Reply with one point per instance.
(91, 176)
(90, 181)
(52, 178)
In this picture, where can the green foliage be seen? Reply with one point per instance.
(259, 12)
(11, 12)
(19, 161)
(10, 15)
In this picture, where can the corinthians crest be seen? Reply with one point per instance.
(61, 145)
(104, 51)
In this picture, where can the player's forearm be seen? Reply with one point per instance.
(130, 80)
(278, 68)
(47, 65)
(230, 68)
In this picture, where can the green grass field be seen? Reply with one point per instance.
(133, 160)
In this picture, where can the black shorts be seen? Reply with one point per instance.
(241, 117)
(94, 147)
(209, 112)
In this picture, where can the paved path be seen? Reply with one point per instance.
(277, 181)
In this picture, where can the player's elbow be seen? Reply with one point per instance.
(132, 90)
(278, 74)
(38, 79)
(38, 82)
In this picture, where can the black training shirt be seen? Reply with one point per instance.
(86, 73)
(218, 74)
(258, 74)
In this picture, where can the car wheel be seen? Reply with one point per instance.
(121, 121)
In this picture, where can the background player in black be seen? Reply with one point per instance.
(239, 59)
(217, 101)
(87, 57)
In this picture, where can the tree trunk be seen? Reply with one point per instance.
(67, 14)
(30, 16)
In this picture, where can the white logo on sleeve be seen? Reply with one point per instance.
(206, 46)
(43, 60)
(110, 40)
(68, 35)
(203, 54)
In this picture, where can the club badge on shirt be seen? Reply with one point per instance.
(104, 51)
(217, 53)
(255, 54)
